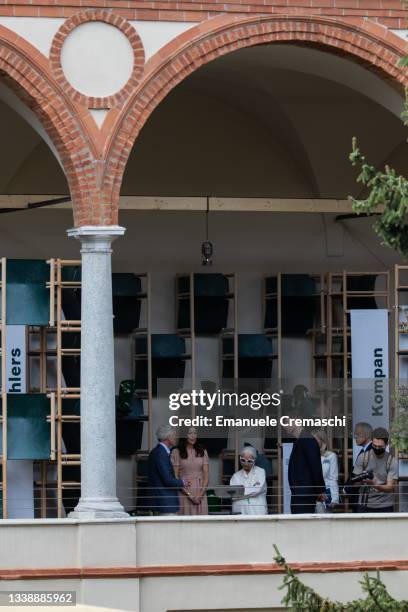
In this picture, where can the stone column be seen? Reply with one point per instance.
(98, 438)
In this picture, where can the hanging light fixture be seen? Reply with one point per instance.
(207, 247)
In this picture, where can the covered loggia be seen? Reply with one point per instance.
(41, 325)
(259, 138)
(251, 151)
(29, 167)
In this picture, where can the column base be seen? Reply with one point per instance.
(98, 508)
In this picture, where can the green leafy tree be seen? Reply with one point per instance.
(388, 190)
(301, 597)
(399, 429)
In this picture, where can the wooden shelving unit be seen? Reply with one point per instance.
(40, 351)
(318, 336)
(3, 387)
(275, 334)
(189, 332)
(228, 332)
(318, 333)
(340, 300)
(60, 327)
(144, 332)
(401, 350)
(400, 324)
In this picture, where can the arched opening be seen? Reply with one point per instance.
(30, 163)
(30, 172)
(263, 128)
(271, 121)
(28, 87)
(265, 132)
(42, 133)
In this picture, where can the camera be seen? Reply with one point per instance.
(367, 475)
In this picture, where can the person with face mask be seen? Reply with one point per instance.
(377, 493)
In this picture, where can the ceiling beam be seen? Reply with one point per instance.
(182, 203)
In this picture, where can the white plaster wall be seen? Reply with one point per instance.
(250, 594)
(156, 34)
(40, 31)
(402, 33)
(97, 59)
(99, 115)
(214, 540)
(250, 540)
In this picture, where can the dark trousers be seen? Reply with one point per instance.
(386, 509)
(303, 504)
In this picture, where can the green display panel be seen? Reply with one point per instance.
(28, 433)
(28, 299)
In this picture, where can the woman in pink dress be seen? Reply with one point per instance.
(190, 462)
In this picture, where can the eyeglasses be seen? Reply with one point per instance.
(243, 460)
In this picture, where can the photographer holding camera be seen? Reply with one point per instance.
(379, 472)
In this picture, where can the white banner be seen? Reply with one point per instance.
(370, 367)
(16, 358)
(20, 474)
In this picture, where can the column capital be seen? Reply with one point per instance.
(96, 238)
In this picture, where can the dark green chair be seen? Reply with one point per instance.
(168, 361)
(299, 306)
(28, 299)
(126, 287)
(126, 301)
(254, 357)
(210, 303)
(129, 419)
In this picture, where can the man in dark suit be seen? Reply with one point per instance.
(164, 486)
(305, 473)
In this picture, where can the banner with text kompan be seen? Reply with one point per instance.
(370, 367)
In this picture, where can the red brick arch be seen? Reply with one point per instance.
(359, 39)
(26, 71)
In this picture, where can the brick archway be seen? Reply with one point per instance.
(26, 71)
(366, 42)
